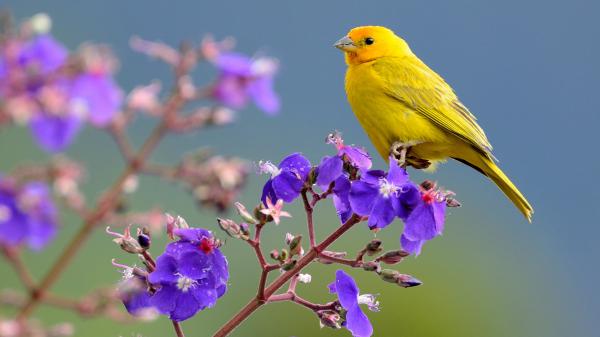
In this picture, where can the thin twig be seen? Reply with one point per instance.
(178, 329)
(14, 258)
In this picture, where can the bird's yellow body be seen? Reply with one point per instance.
(397, 98)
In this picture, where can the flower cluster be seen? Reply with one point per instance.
(52, 91)
(27, 214)
(381, 196)
(188, 277)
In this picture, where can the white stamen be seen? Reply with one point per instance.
(370, 301)
(5, 213)
(386, 188)
(184, 283)
(269, 168)
(41, 23)
(128, 273)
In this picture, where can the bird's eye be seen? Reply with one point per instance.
(369, 41)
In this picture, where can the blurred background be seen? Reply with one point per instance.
(528, 69)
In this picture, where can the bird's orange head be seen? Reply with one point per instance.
(367, 43)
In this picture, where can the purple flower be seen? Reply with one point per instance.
(349, 297)
(191, 275)
(98, 96)
(332, 168)
(43, 53)
(425, 222)
(54, 133)
(242, 78)
(135, 296)
(383, 196)
(287, 179)
(27, 215)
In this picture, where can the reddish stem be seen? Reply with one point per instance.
(308, 208)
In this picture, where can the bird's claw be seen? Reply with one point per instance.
(401, 152)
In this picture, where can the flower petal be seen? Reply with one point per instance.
(54, 133)
(186, 306)
(329, 170)
(101, 96)
(341, 202)
(346, 289)
(287, 186)
(194, 265)
(164, 300)
(383, 212)
(362, 197)
(166, 270)
(261, 90)
(234, 64)
(268, 191)
(357, 156)
(409, 197)
(358, 323)
(296, 163)
(231, 91)
(412, 247)
(420, 224)
(397, 175)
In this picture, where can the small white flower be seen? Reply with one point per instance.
(304, 278)
(370, 301)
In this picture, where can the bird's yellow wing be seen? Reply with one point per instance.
(410, 81)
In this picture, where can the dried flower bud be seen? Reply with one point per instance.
(262, 218)
(389, 275)
(244, 214)
(374, 247)
(288, 265)
(427, 185)
(312, 176)
(233, 229)
(126, 241)
(329, 318)
(274, 254)
(451, 202)
(284, 255)
(296, 245)
(393, 257)
(372, 266)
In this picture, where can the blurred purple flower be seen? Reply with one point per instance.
(350, 298)
(98, 96)
(54, 133)
(43, 53)
(383, 196)
(27, 215)
(287, 179)
(135, 296)
(191, 275)
(242, 78)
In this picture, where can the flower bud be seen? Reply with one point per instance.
(332, 254)
(393, 257)
(232, 229)
(296, 245)
(284, 255)
(312, 176)
(408, 281)
(144, 240)
(374, 247)
(262, 218)
(274, 254)
(329, 318)
(427, 185)
(389, 275)
(372, 266)
(126, 241)
(451, 202)
(244, 214)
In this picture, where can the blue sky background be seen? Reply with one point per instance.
(529, 71)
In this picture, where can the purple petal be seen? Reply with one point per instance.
(261, 90)
(166, 270)
(372, 176)
(383, 212)
(397, 175)
(409, 197)
(231, 91)
(268, 191)
(234, 64)
(331, 288)
(420, 224)
(362, 197)
(164, 300)
(329, 170)
(101, 96)
(194, 265)
(137, 301)
(357, 156)
(205, 294)
(287, 186)
(296, 163)
(54, 133)
(14, 229)
(412, 247)
(219, 267)
(185, 307)
(358, 323)
(45, 52)
(179, 248)
(193, 235)
(439, 214)
(341, 190)
(42, 218)
(346, 289)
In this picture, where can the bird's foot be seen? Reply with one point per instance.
(401, 152)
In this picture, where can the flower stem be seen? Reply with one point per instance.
(178, 329)
(312, 254)
(308, 208)
(104, 206)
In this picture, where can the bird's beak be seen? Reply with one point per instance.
(345, 44)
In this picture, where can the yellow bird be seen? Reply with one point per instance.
(402, 103)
